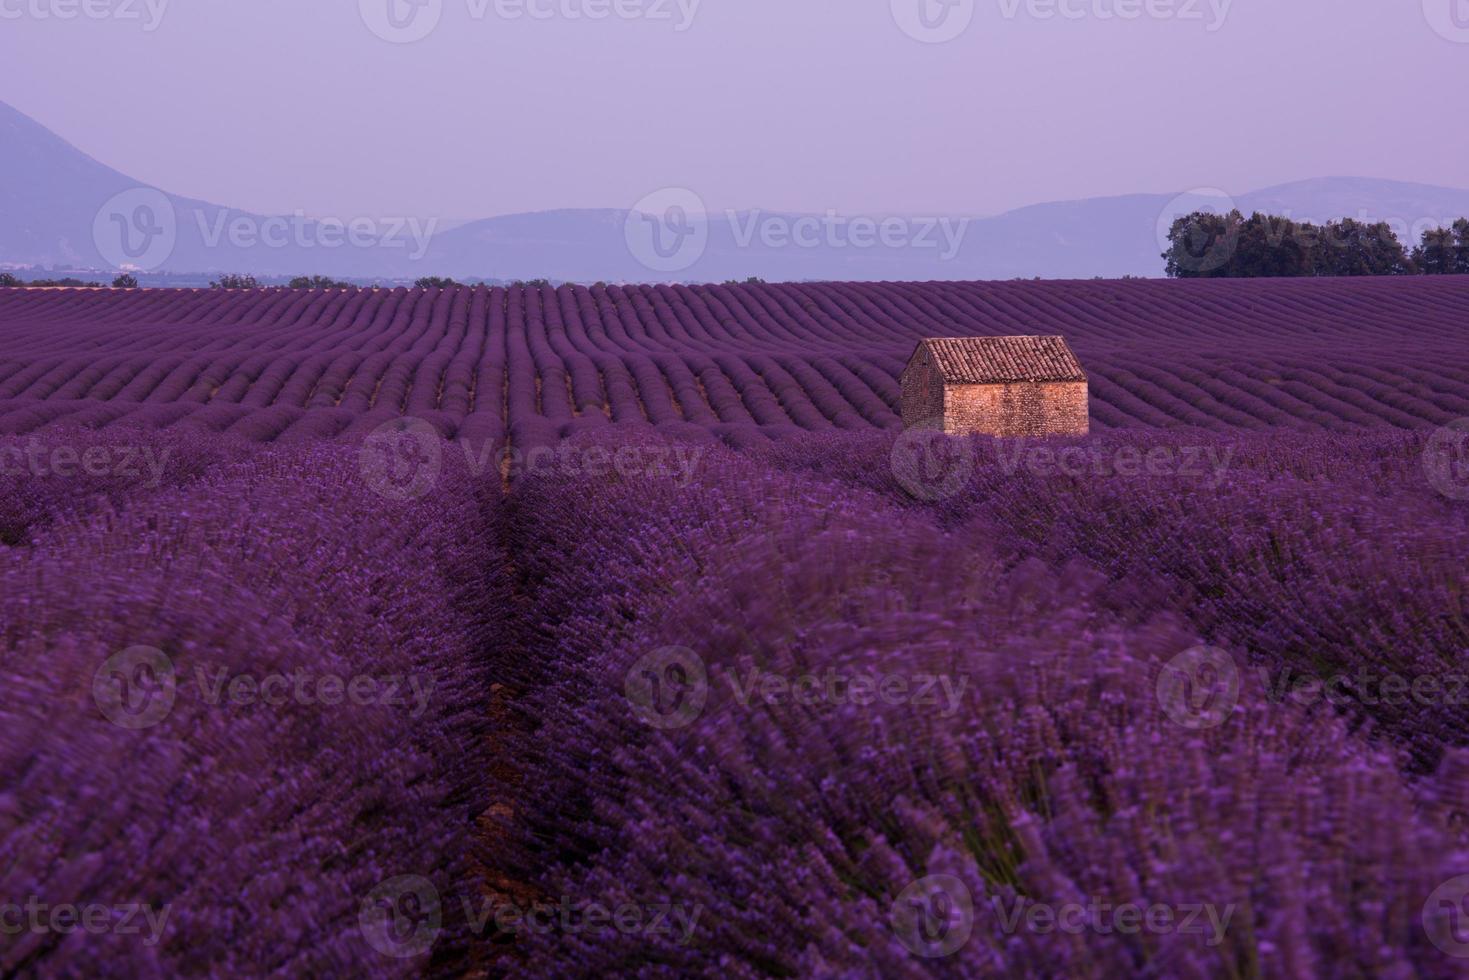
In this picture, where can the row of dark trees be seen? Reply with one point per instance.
(237, 281)
(444, 282)
(1205, 245)
(121, 282)
(1444, 251)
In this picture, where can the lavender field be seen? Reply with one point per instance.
(573, 631)
(746, 363)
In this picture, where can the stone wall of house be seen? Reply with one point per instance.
(922, 391)
(1051, 408)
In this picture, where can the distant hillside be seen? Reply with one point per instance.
(61, 208)
(50, 196)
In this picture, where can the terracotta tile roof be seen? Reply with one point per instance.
(995, 360)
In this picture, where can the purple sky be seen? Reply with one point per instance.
(277, 105)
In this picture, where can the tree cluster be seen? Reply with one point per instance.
(1444, 251)
(235, 281)
(318, 282)
(1206, 245)
(8, 279)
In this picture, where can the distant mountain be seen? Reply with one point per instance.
(51, 194)
(59, 208)
(1359, 197)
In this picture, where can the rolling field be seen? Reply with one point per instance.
(745, 362)
(741, 681)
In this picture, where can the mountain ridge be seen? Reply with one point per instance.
(62, 208)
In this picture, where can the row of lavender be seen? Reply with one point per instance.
(1043, 723)
(241, 695)
(746, 362)
(1312, 555)
(789, 316)
(807, 710)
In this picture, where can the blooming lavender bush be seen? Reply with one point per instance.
(241, 703)
(770, 714)
(72, 470)
(1318, 558)
(680, 756)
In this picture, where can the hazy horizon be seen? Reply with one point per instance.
(274, 108)
(445, 222)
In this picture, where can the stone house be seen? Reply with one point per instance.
(997, 386)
